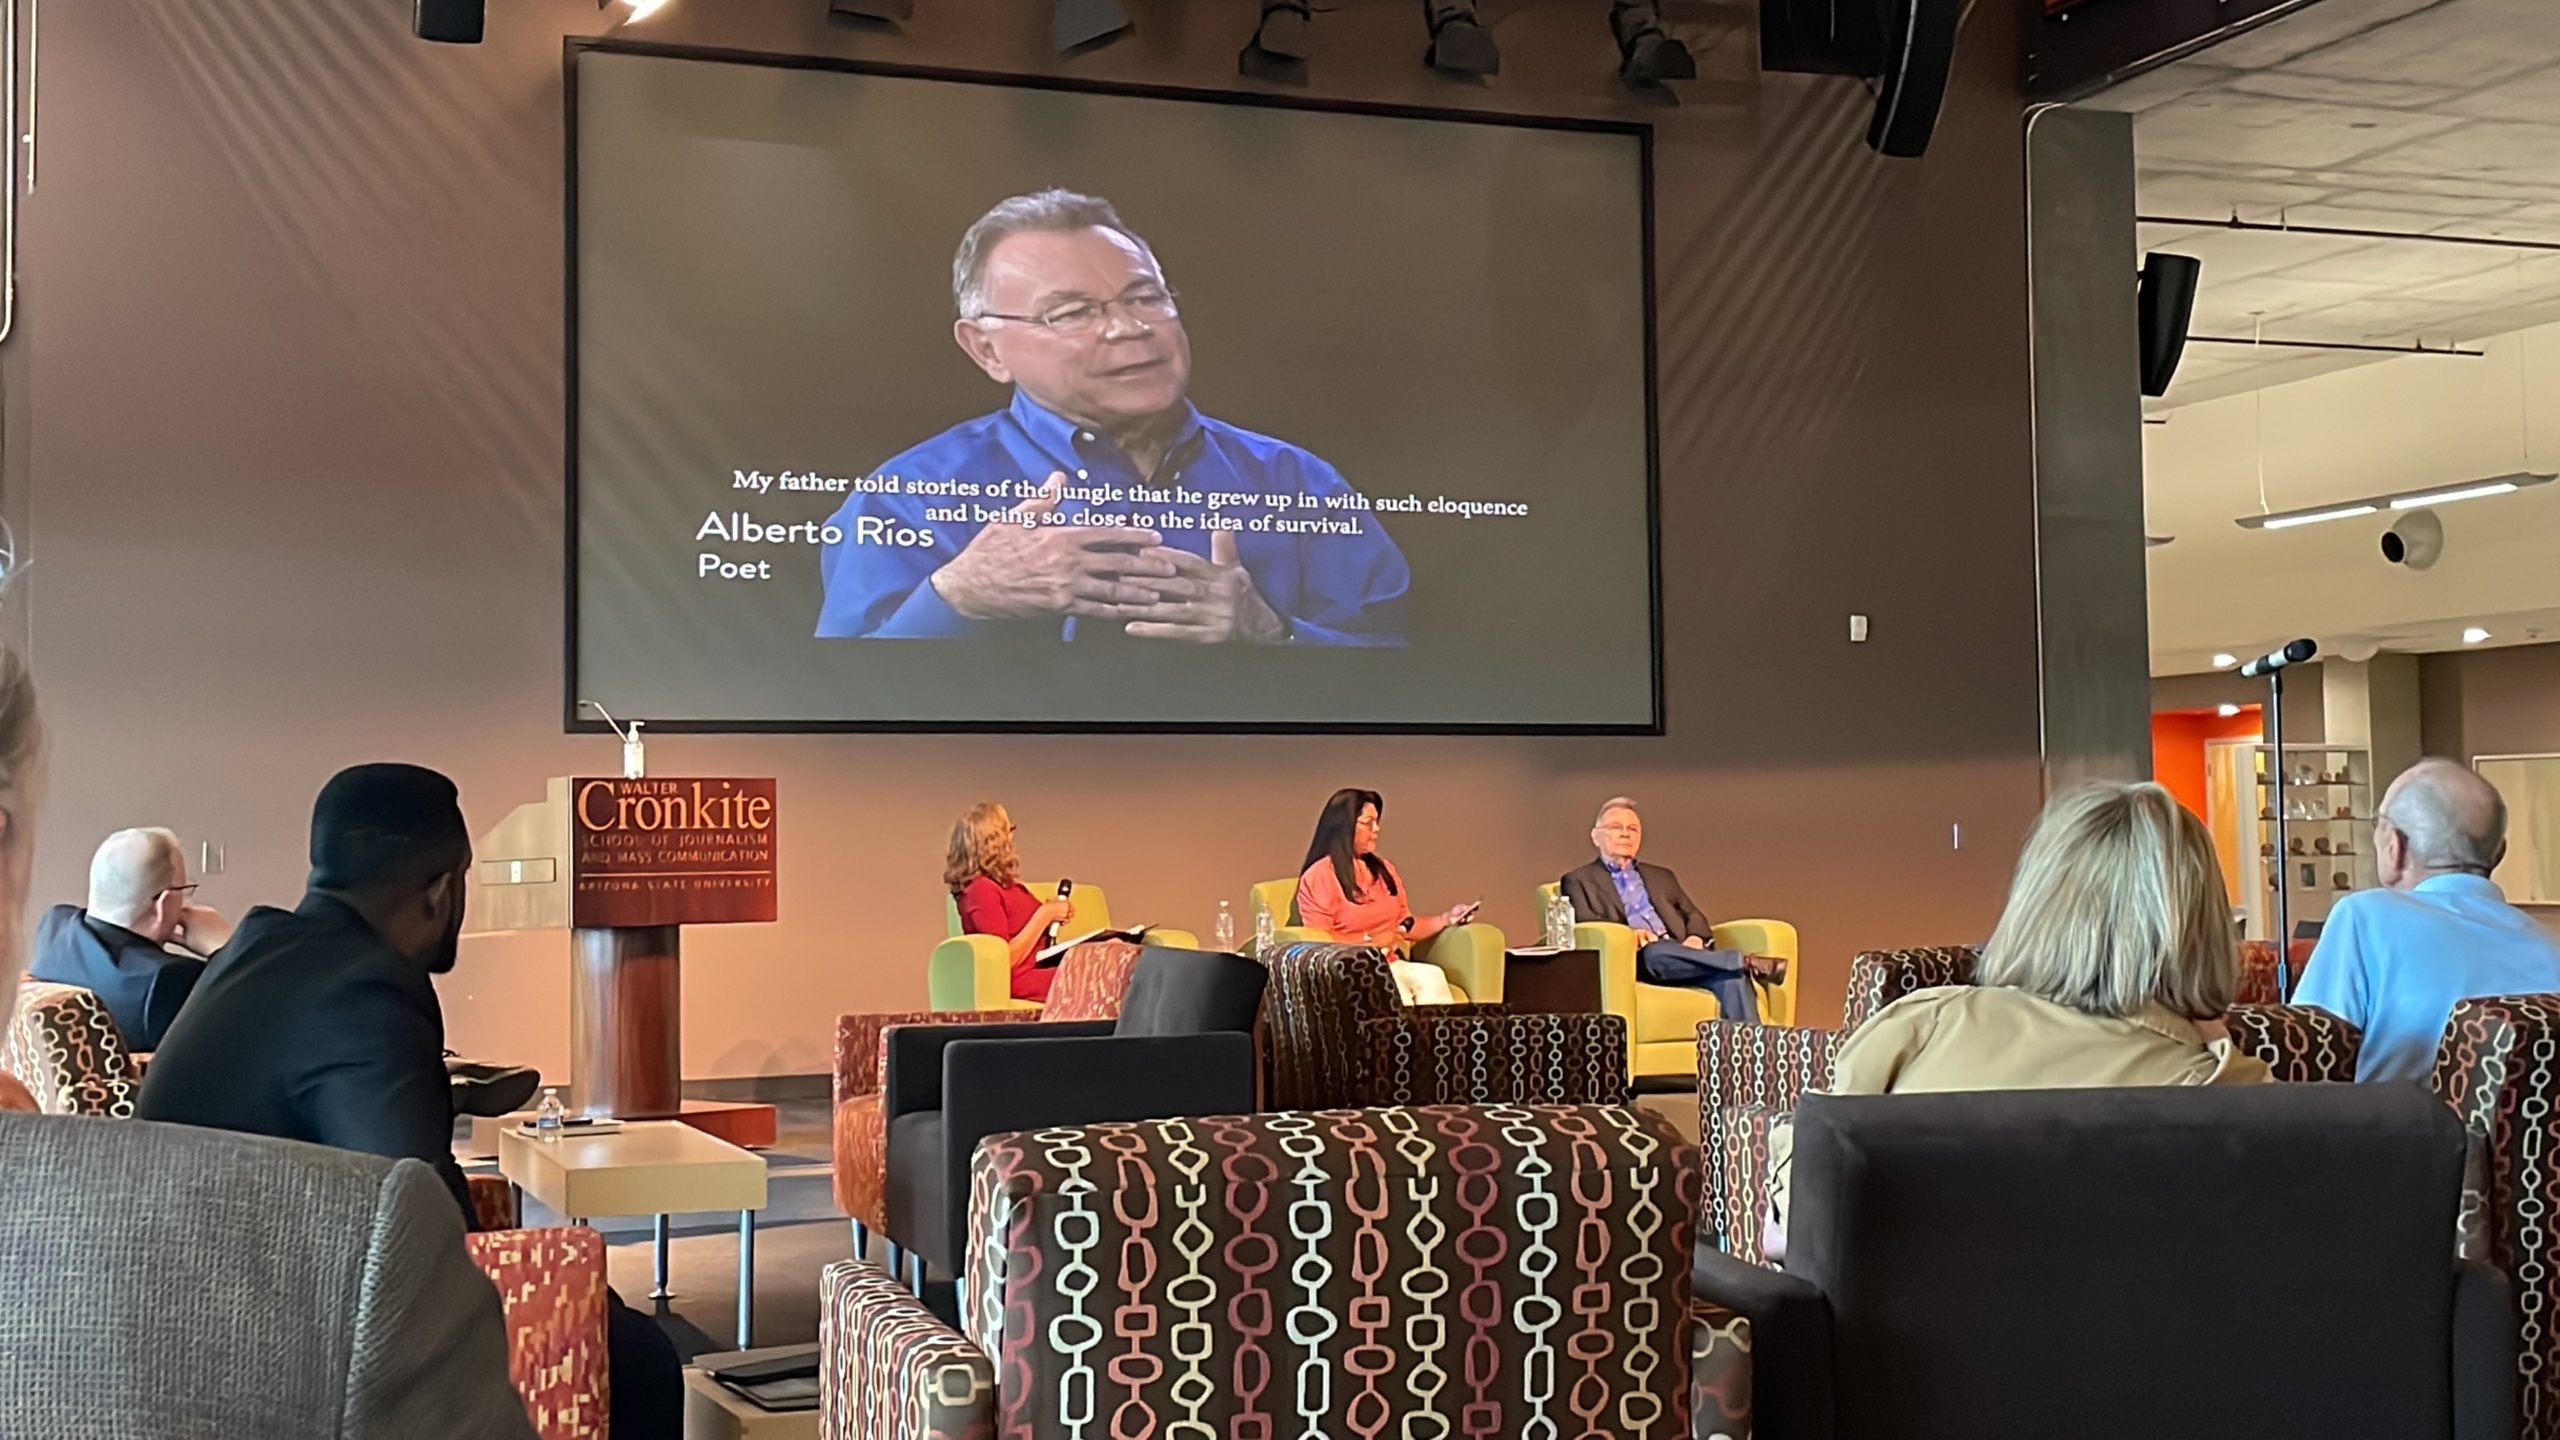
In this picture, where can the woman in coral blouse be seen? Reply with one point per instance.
(1350, 891)
(985, 876)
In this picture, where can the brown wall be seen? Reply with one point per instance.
(289, 372)
(2490, 702)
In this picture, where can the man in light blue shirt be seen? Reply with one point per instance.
(2394, 961)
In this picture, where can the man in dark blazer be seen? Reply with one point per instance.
(1672, 945)
(321, 1023)
(125, 945)
(165, 1282)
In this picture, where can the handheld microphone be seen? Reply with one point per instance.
(1066, 888)
(2273, 660)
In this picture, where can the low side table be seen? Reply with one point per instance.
(656, 1168)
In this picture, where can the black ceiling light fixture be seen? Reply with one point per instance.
(883, 12)
(1901, 48)
(449, 22)
(1280, 43)
(1460, 44)
(1076, 24)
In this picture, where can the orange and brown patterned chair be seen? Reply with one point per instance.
(1092, 981)
(66, 1049)
(2499, 1068)
(1751, 1076)
(1498, 1270)
(1877, 978)
(1425, 1058)
(551, 1286)
(1316, 1020)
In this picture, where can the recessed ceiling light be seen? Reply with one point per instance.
(2222, 661)
(2474, 635)
(2226, 710)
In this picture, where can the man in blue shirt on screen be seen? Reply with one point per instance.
(1099, 501)
(2394, 961)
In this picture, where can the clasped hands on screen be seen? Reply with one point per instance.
(1020, 567)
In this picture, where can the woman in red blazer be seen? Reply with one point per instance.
(985, 876)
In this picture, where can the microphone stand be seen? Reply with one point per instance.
(2284, 851)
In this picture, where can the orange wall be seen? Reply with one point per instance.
(2177, 747)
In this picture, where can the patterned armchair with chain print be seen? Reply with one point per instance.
(1339, 1272)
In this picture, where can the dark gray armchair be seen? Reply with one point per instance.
(2267, 1262)
(1183, 1045)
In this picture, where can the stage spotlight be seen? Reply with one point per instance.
(881, 11)
(1646, 55)
(1078, 23)
(1459, 42)
(1278, 49)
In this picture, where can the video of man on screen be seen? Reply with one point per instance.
(1098, 502)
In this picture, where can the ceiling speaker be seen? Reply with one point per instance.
(2415, 540)
(2167, 302)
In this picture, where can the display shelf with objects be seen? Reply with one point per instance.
(2324, 837)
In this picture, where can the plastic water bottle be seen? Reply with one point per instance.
(1560, 923)
(547, 1117)
(1226, 931)
(1265, 931)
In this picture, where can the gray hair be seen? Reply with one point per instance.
(1051, 209)
(130, 871)
(2444, 828)
(1615, 802)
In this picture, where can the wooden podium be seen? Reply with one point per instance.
(624, 865)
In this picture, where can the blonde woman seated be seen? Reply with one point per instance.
(1349, 891)
(2112, 965)
(984, 875)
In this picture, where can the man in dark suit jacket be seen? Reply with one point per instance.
(321, 1023)
(1672, 933)
(123, 946)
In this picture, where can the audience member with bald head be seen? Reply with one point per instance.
(2395, 961)
(142, 942)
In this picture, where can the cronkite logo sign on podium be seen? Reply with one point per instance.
(670, 851)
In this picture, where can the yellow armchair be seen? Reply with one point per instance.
(973, 972)
(1470, 955)
(1662, 1020)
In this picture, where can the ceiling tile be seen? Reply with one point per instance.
(2224, 129)
(2417, 211)
(2215, 195)
(2401, 265)
(2499, 150)
(2460, 44)
(2330, 90)
(2534, 95)
(2309, 29)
